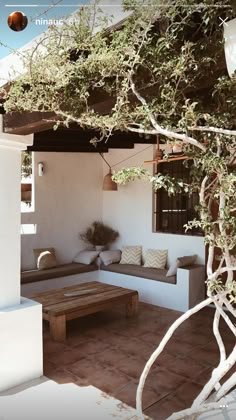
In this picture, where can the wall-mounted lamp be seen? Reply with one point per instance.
(40, 168)
(108, 184)
(230, 45)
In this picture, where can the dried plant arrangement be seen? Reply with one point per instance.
(99, 234)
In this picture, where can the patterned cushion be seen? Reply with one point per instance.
(155, 258)
(131, 255)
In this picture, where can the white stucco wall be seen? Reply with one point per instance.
(129, 210)
(68, 197)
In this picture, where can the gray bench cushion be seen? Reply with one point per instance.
(140, 271)
(59, 271)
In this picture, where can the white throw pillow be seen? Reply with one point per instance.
(155, 258)
(86, 257)
(110, 257)
(172, 269)
(131, 255)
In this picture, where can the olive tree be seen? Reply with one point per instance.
(164, 74)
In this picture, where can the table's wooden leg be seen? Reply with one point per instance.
(132, 306)
(58, 327)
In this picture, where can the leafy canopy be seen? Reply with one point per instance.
(163, 73)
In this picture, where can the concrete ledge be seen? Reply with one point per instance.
(188, 290)
(21, 350)
(45, 399)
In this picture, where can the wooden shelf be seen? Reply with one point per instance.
(26, 192)
(171, 159)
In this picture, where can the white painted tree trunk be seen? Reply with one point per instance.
(218, 298)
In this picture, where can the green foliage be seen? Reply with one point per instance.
(99, 234)
(26, 164)
(170, 184)
(126, 175)
(164, 70)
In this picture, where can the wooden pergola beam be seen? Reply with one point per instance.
(28, 122)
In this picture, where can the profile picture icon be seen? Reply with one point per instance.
(17, 21)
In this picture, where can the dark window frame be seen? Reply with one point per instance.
(170, 213)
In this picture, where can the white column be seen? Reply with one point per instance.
(10, 172)
(20, 318)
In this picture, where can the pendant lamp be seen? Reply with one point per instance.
(108, 184)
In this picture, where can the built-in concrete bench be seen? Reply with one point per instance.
(156, 274)
(179, 292)
(62, 270)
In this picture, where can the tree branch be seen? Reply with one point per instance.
(225, 269)
(160, 348)
(214, 130)
(184, 414)
(218, 336)
(217, 374)
(230, 383)
(159, 130)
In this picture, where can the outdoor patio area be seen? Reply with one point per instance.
(108, 351)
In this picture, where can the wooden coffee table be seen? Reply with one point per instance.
(81, 300)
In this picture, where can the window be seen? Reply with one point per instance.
(171, 213)
(27, 184)
(28, 229)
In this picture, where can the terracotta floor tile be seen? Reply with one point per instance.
(132, 367)
(164, 359)
(64, 357)
(110, 381)
(186, 393)
(78, 339)
(194, 338)
(48, 367)
(114, 340)
(182, 367)
(162, 409)
(128, 395)
(206, 357)
(212, 347)
(90, 347)
(62, 376)
(152, 338)
(177, 347)
(203, 377)
(52, 347)
(136, 347)
(162, 380)
(85, 368)
(111, 357)
(109, 351)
